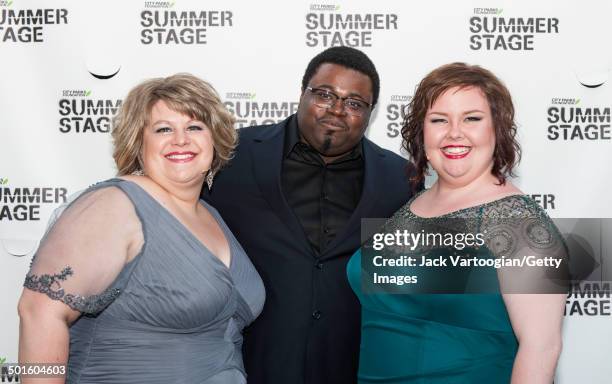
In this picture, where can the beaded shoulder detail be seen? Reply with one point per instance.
(507, 223)
(51, 286)
(513, 206)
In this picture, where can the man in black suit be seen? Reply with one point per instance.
(294, 196)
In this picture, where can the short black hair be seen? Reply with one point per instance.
(347, 57)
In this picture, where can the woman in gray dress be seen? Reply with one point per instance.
(140, 281)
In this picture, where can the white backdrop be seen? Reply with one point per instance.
(554, 56)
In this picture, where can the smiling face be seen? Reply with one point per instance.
(332, 131)
(175, 147)
(459, 136)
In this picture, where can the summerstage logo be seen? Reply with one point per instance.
(395, 111)
(19, 203)
(545, 200)
(5, 375)
(491, 30)
(570, 120)
(589, 299)
(162, 24)
(328, 26)
(80, 112)
(28, 25)
(248, 110)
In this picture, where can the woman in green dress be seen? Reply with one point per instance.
(461, 123)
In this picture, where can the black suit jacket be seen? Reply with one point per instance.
(309, 329)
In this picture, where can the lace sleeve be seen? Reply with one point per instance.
(533, 253)
(85, 249)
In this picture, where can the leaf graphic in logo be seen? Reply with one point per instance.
(4, 181)
(337, 7)
(499, 11)
(252, 96)
(577, 101)
(87, 93)
(9, 3)
(2, 360)
(172, 4)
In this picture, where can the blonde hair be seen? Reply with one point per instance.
(183, 93)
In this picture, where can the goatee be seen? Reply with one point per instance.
(326, 144)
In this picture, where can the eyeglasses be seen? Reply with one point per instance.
(327, 99)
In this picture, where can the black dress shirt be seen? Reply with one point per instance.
(322, 196)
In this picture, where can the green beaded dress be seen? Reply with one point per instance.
(447, 338)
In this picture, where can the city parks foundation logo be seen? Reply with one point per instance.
(249, 110)
(395, 112)
(21, 203)
(569, 119)
(27, 25)
(492, 30)
(329, 26)
(81, 112)
(163, 24)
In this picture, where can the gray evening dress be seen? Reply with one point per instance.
(173, 314)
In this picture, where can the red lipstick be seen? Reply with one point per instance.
(180, 157)
(456, 155)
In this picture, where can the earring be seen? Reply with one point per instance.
(209, 179)
(139, 171)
